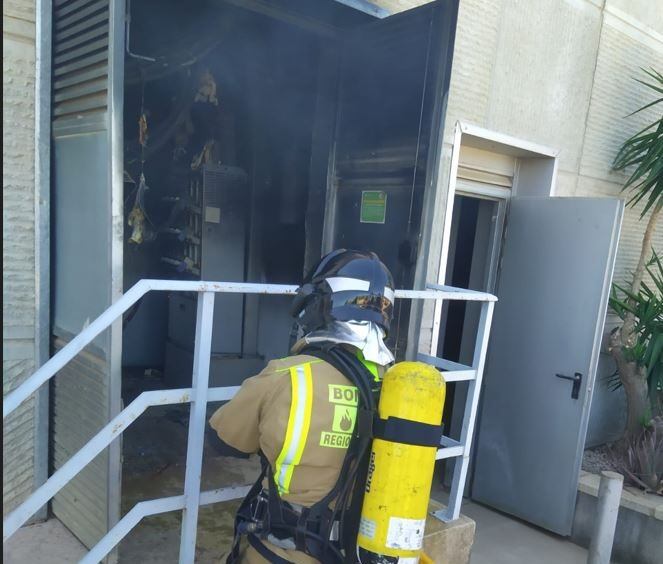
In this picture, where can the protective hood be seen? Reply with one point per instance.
(367, 336)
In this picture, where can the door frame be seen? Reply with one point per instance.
(116, 48)
(501, 197)
(501, 143)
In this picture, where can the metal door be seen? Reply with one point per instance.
(553, 290)
(394, 82)
(87, 76)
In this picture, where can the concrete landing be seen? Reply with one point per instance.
(499, 539)
(49, 542)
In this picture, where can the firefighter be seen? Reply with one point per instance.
(306, 415)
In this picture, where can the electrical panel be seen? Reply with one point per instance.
(209, 243)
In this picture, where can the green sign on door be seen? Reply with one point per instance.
(373, 206)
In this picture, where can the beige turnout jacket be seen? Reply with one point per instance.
(300, 412)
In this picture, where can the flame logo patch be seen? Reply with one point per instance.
(345, 417)
(346, 422)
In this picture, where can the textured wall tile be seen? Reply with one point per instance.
(18, 288)
(614, 96)
(475, 49)
(20, 9)
(542, 78)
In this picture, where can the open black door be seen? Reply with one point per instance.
(383, 170)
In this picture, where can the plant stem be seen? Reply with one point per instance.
(634, 381)
(628, 335)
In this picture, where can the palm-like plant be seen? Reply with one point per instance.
(647, 308)
(644, 152)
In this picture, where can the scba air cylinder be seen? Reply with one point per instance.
(402, 461)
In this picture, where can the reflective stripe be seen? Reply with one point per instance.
(389, 294)
(298, 426)
(371, 366)
(344, 284)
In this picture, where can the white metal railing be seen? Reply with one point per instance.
(199, 394)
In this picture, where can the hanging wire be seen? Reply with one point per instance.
(142, 138)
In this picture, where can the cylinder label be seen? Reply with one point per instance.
(405, 534)
(367, 528)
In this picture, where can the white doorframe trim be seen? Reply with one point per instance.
(504, 139)
(518, 147)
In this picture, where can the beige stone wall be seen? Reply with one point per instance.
(18, 241)
(558, 73)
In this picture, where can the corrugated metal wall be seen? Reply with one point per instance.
(80, 58)
(18, 244)
(79, 408)
(85, 393)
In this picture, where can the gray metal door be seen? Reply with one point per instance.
(553, 289)
(87, 77)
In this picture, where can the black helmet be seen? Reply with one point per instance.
(345, 286)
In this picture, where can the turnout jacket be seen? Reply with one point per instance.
(300, 412)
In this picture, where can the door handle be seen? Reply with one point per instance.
(576, 379)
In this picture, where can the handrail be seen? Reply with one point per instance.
(95, 445)
(105, 320)
(138, 290)
(199, 394)
(155, 507)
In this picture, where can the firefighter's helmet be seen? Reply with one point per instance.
(345, 285)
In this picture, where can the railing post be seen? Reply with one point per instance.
(197, 417)
(461, 464)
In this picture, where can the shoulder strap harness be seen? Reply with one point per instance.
(319, 531)
(327, 534)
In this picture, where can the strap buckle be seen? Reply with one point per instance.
(259, 507)
(254, 522)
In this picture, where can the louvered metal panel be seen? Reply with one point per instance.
(87, 75)
(80, 61)
(79, 409)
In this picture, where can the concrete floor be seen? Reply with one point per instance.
(154, 460)
(46, 543)
(499, 540)
(502, 540)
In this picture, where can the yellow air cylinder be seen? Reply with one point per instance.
(400, 475)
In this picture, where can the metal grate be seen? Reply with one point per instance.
(80, 58)
(218, 177)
